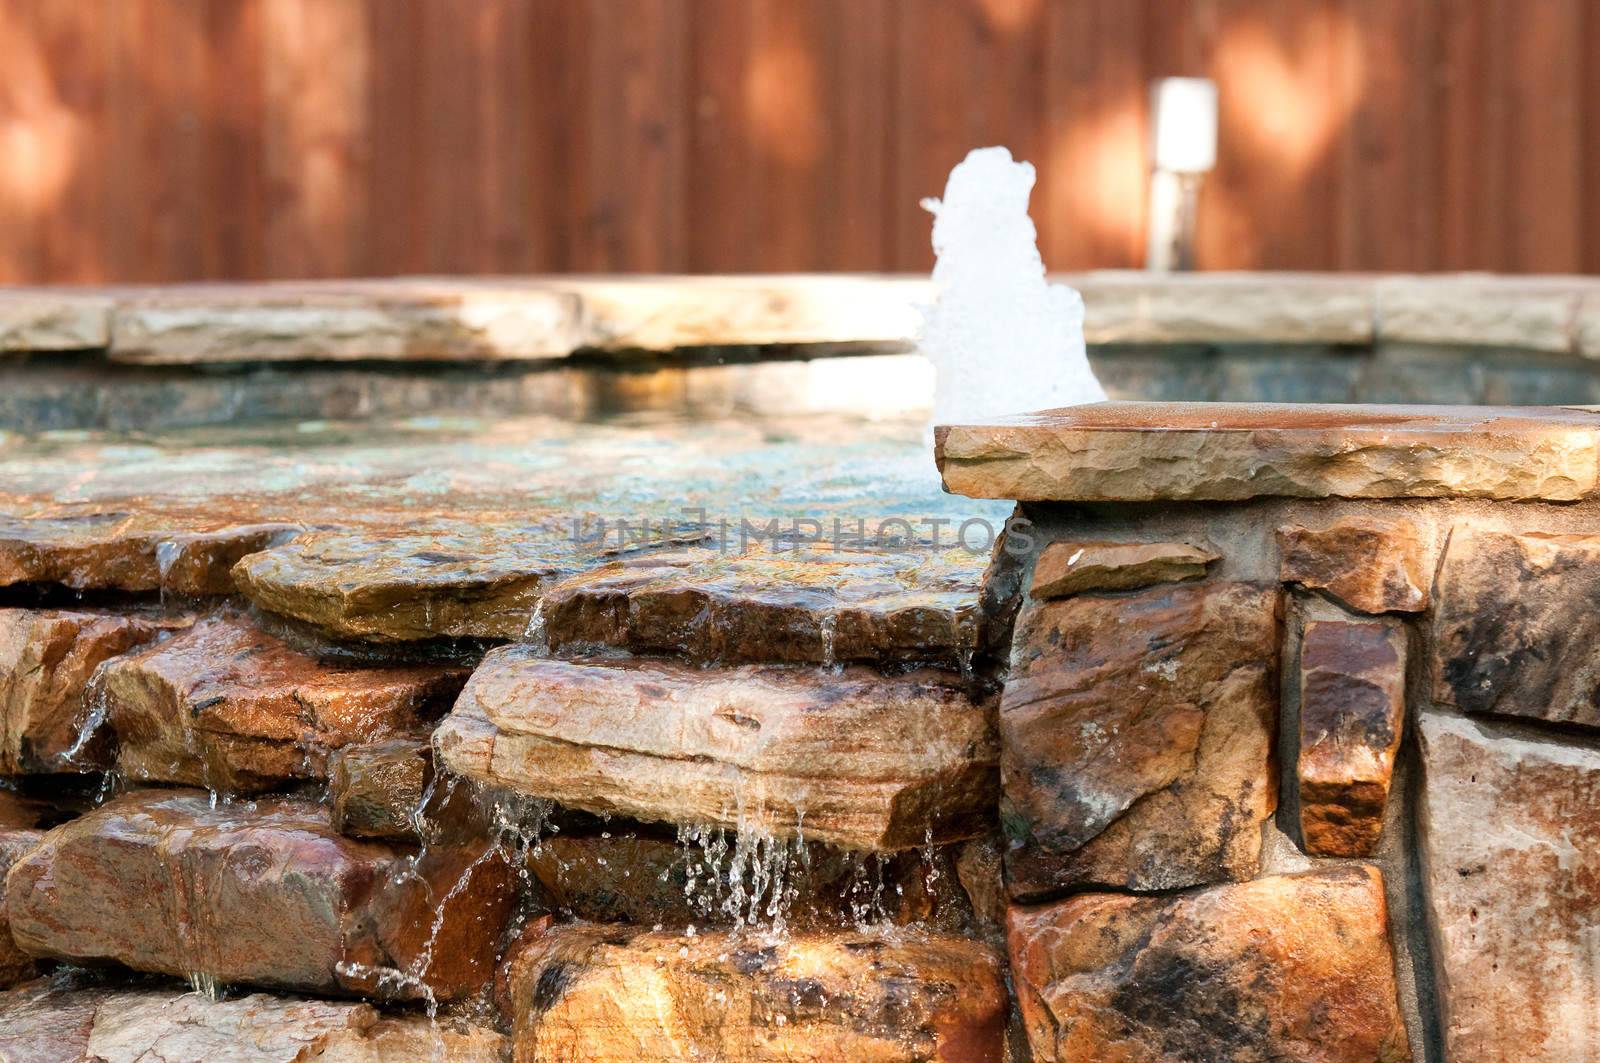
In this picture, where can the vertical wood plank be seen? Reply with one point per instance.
(722, 187)
(1545, 131)
(398, 238)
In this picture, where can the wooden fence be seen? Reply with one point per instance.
(152, 140)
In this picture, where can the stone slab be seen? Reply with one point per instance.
(44, 319)
(1535, 313)
(1136, 738)
(1071, 567)
(376, 788)
(1293, 967)
(1136, 452)
(227, 706)
(1137, 307)
(762, 603)
(584, 992)
(395, 320)
(1515, 627)
(1352, 710)
(854, 758)
(1510, 851)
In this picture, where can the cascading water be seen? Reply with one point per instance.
(1002, 339)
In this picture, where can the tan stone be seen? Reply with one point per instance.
(1139, 307)
(40, 319)
(401, 319)
(1352, 707)
(1136, 736)
(1374, 566)
(1515, 631)
(1072, 567)
(227, 706)
(766, 603)
(1286, 967)
(16, 841)
(260, 894)
(1534, 313)
(47, 659)
(856, 759)
(1511, 876)
(375, 788)
(116, 551)
(583, 992)
(48, 1023)
(1144, 451)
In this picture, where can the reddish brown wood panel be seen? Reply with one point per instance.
(161, 140)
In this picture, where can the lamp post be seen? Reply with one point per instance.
(1183, 148)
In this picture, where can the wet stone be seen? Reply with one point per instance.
(1352, 705)
(583, 992)
(770, 603)
(1136, 736)
(19, 835)
(1219, 451)
(390, 585)
(375, 788)
(1285, 967)
(853, 758)
(1515, 628)
(1372, 566)
(227, 706)
(47, 1023)
(1511, 877)
(48, 658)
(135, 552)
(715, 878)
(261, 893)
(1072, 567)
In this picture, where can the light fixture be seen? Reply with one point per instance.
(1183, 147)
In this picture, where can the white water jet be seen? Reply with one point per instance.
(1002, 339)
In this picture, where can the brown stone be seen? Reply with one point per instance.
(1071, 567)
(1511, 877)
(764, 603)
(1372, 566)
(1352, 705)
(627, 875)
(47, 659)
(264, 893)
(1286, 967)
(44, 1022)
(227, 706)
(16, 841)
(1515, 629)
(376, 788)
(582, 992)
(123, 552)
(856, 759)
(1218, 451)
(1136, 736)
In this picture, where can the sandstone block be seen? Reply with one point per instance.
(1136, 738)
(1218, 451)
(53, 320)
(1283, 308)
(260, 894)
(1511, 874)
(1532, 314)
(855, 759)
(47, 658)
(1072, 567)
(1373, 566)
(227, 706)
(1515, 629)
(1285, 967)
(375, 788)
(16, 841)
(590, 993)
(1352, 705)
(766, 604)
